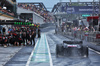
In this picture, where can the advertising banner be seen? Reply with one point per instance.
(80, 9)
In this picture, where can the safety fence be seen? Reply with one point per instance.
(92, 36)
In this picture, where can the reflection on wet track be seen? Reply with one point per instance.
(92, 60)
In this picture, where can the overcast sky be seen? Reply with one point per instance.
(50, 3)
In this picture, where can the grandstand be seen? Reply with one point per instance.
(7, 9)
(38, 8)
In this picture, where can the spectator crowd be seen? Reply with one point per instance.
(37, 9)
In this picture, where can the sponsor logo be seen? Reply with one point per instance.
(70, 9)
(71, 45)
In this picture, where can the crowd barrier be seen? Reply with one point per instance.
(92, 36)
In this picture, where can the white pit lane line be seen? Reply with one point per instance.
(51, 64)
(29, 60)
(94, 51)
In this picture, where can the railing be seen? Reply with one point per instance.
(81, 35)
(91, 36)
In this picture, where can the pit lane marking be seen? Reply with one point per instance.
(32, 53)
(28, 62)
(94, 51)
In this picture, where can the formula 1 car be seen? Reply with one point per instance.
(71, 48)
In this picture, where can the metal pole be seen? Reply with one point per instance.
(70, 1)
(93, 14)
(99, 8)
(93, 7)
(99, 15)
(71, 8)
(60, 0)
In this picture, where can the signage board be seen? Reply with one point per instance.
(80, 9)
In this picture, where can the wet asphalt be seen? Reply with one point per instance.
(20, 58)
